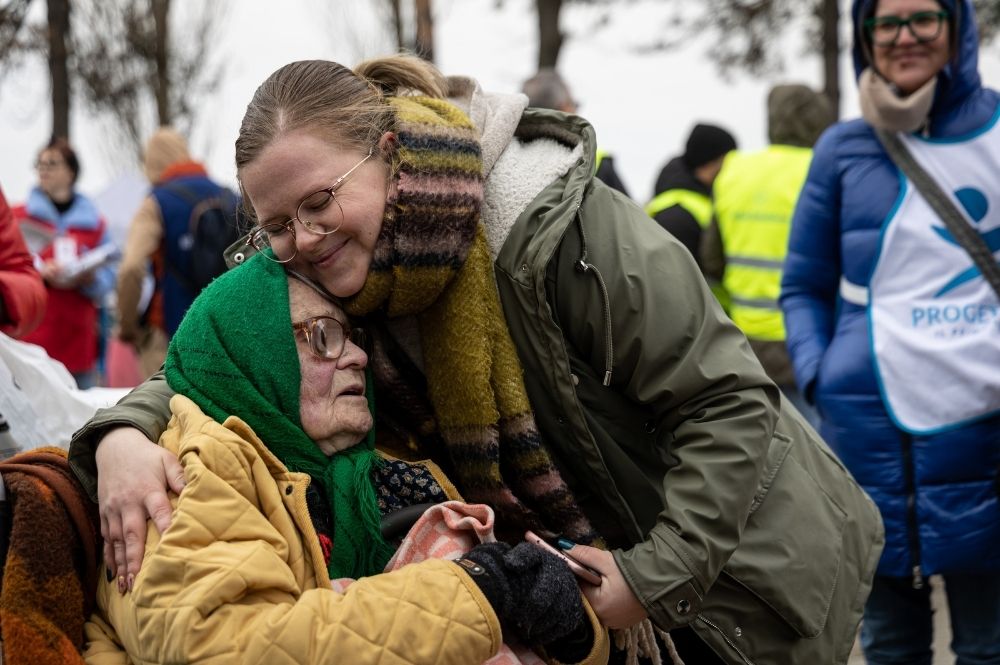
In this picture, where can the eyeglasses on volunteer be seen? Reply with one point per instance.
(924, 26)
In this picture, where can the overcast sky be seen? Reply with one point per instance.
(641, 105)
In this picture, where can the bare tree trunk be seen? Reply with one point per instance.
(161, 13)
(58, 16)
(830, 14)
(550, 39)
(424, 45)
(397, 23)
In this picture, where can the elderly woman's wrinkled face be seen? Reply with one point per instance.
(281, 184)
(333, 407)
(921, 48)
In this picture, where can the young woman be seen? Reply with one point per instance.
(909, 392)
(558, 353)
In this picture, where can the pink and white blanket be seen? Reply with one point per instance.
(447, 531)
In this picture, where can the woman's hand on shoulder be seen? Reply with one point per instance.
(613, 601)
(133, 476)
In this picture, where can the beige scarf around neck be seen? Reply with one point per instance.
(882, 107)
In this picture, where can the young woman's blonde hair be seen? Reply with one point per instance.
(347, 107)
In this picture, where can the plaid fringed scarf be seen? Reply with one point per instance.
(228, 359)
(431, 260)
(50, 576)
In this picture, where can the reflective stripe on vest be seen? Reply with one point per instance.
(698, 205)
(755, 195)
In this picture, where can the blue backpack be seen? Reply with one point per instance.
(215, 223)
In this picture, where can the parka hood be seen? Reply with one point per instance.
(960, 77)
(797, 115)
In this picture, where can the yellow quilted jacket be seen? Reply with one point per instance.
(239, 577)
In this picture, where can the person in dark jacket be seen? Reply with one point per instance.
(560, 354)
(22, 291)
(892, 330)
(159, 240)
(548, 90)
(682, 198)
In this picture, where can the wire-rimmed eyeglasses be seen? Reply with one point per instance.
(319, 213)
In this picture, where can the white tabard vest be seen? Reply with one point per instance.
(934, 319)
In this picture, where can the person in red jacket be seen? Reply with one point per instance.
(73, 251)
(22, 292)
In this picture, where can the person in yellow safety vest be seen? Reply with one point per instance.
(682, 203)
(745, 245)
(682, 200)
(548, 90)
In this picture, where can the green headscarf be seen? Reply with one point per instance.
(234, 354)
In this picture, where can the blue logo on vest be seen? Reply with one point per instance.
(976, 205)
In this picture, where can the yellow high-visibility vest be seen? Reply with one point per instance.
(698, 205)
(755, 195)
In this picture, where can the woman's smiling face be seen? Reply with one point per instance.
(299, 163)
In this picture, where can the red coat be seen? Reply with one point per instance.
(21, 287)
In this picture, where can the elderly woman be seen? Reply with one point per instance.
(287, 497)
(893, 331)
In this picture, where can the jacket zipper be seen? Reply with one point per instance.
(911, 511)
(726, 638)
(585, 267)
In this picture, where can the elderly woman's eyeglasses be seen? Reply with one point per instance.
(319, 213)
(326, 337)
(924, 26)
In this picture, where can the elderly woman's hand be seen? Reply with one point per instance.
(613, 601)
(133, 475)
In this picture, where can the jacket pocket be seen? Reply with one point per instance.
(789, 556)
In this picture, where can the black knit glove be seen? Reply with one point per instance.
(534, 594)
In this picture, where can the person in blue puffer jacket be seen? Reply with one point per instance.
(894, 333)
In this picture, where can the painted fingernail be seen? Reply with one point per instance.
(121, 584)
(109, 574)
(131, 581)
(565, 544)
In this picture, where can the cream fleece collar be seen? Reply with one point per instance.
(495, 115)
(883, 108)
(515, 172)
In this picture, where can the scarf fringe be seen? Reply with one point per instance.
(639, 641)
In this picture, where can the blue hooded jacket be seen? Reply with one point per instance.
(937, 493)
